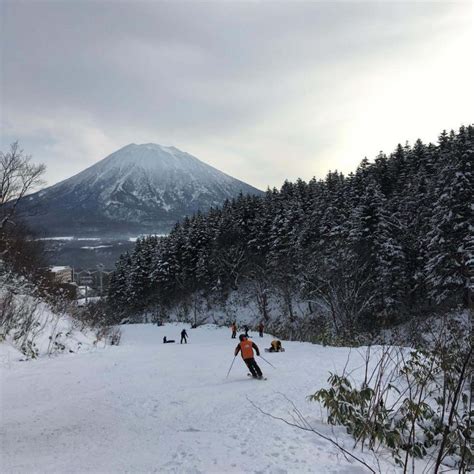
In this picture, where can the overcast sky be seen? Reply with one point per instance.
(264, 91)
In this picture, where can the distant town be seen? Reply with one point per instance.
(83, 285)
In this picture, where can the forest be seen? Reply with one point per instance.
(388, 243)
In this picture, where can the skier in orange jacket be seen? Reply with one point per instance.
(246, 347)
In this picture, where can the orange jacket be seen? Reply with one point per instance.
(246, 348)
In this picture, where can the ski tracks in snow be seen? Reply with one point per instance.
(151, 407)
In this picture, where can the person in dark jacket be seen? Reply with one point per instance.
(246, 347)
(260, 329)
(246, 329)
(167, 341)
(234, 330)
(184, 335)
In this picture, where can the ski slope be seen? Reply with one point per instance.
(145, 406)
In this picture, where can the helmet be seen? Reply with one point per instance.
(242, 337)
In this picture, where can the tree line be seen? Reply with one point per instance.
(388, 242)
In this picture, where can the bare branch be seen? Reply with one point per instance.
(18, 177)
(305, 426)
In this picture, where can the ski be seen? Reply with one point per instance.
(256, 378)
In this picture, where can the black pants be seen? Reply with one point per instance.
(234, 333)
(183, 338)
(253, 367)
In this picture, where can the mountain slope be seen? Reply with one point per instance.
(145, 406)
(139, 188)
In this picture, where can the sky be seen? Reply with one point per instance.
(264, 91)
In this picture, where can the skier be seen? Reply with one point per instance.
(184, 335)
(234, 330)
(260, 329)
(165, 341)
(275, 346)
(246, 347)
(246, 329)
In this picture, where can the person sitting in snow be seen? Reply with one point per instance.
(246, 347)
(275, 346)
(184, 335)
(166, 341)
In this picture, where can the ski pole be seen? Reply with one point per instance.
(267, 362)
(230, 368)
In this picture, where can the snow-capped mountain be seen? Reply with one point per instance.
(139, 188)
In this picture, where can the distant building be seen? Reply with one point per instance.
(61, 274)
(85, 291)
(96, 279)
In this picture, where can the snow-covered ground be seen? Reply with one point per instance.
(40, 331)
(145, 406)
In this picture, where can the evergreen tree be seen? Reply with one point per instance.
(449, 242)
(392, 239)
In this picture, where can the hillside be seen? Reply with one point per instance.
(149, 407)
(138, 189)
(388, 243)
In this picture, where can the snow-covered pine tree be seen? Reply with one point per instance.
(367, 244)
(379, 255)
(449, 241)
(118, 285)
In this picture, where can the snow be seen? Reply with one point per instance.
(137, 184)
(90, 299)
(50, 333)
(57, 238)
(134, 239)
(58, 268)
(70, 238)
(9, 353)
(145, 406)
(96, 247)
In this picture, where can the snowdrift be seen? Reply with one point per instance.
(30, 328)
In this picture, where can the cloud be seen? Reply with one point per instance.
(263, 91)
